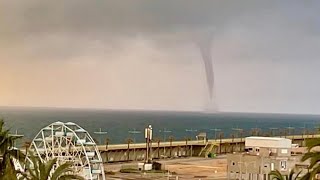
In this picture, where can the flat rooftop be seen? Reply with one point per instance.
(266, 138)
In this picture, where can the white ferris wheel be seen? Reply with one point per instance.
(68, 142)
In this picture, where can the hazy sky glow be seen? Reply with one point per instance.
(141, 54)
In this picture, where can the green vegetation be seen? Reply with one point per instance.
(313, 155)
(8, 153)
(129, 170)
(37, 170)
(276, 175)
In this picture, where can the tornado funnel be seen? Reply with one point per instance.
(207, 60)
(204, 43)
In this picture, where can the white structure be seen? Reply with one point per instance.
(68, 142)
(263, 155)
(268, 145)
(267, 142)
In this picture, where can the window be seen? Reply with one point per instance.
(283, 165)
(284, 151)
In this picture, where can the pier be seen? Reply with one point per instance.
(179, 149)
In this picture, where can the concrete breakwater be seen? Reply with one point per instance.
(180, 149)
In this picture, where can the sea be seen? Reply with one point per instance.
(123, 124)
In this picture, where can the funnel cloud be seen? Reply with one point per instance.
(205, 45)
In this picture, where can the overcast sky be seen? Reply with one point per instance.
(142, 54)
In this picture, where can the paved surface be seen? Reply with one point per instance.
(187, 168)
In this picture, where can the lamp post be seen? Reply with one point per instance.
(191, 131)
(255, 131)
(272, 131)
(220, 143)
(215, 132)
(291, 130)
(239, 131)
(100, 133)
(134, 132)
(164, 131)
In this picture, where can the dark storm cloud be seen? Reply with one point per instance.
(65, 29)
(125, 16)
(147, 53)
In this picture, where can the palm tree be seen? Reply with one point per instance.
(107, 140)
(38, 170)
(128, 141)
(276, 175)
(220, 143)
(27, 145)
(241, 138)
(232, 136)
(313, 156)
(8, 153)
(158, 140)
(171, 138)
(186, 147)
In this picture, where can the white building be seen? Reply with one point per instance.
(263, 155)
(268, 146)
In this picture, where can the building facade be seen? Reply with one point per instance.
(262, 155)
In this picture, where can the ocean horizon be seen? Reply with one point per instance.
(28, 121)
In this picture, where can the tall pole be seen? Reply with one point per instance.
(272, 131)
(191, 131)
(291, 131)
(100, 133)
(134, 132)
(164, 131)
(215, 132)
(239, 131)
(148, 136)
(220, 136)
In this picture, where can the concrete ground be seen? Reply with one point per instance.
(182, 168)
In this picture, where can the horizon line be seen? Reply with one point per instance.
(157, 110)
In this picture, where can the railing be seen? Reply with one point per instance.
(196, 142)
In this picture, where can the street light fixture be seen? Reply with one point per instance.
(272, 130)
(215, 133)
(239, 131)
(291, 129)
(191, 131)
(100, 133)
(134, 132)
(164, 131)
